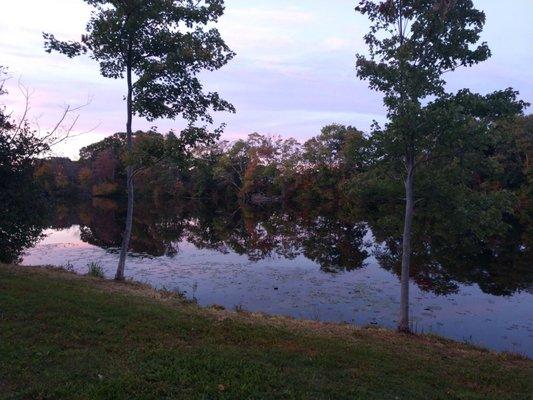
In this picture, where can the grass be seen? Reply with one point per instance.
(78, 337)
(95, 270)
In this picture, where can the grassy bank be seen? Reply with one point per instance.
(67, 336)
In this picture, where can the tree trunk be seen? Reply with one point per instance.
(119, 276)
(403, 325)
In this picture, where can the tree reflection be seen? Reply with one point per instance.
(442, 259)
(445, 256)
(22, 221)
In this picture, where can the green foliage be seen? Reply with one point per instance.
(489, 155)
(338, 147)
(151, 148)
(116, 143)
(105, 189)
(22, 210)
(95, 270)
(165, 43)
(412, 43)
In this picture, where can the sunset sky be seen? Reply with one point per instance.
(294, 71)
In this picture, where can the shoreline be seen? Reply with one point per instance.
(147, 290)
(118, 327)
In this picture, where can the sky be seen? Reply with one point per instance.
(293, 74)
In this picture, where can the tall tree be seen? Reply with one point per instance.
(160, 47)
(22, 209)
(412, 44)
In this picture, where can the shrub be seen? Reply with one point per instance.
(95, 270)
(105, 189)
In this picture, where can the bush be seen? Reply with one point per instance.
(105, 189)
(95, 270)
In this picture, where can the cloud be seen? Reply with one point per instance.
(285, 14)
(333, 43)
(294, 71)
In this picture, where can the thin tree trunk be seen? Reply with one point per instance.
(403, 325)
(119, 276)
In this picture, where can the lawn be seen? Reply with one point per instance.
(74, 337)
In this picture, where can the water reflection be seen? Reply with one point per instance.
(443, 259)
(308, 263)
(334, 241)
(22, 221)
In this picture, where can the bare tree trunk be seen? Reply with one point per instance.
(119, 276)
(403, 325)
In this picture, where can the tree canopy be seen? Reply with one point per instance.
(167, 46)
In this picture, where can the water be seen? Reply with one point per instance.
(313, 266)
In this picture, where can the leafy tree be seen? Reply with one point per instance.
(233, 163)
(338, 153)
(512, 150)
(21, 208)
(199, 181)
(85, 177)
(160, 46)
(289, 166)
(412, 44)
(116, 142)
(339, 147)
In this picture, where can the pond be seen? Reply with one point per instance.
(312, 264)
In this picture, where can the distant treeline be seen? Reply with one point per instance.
(340, 164)
(478, 197)
(259, 168)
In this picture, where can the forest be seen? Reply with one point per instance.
(483, 186)
(421, 220)
(277, 196)
(445, 165)
(340, 165)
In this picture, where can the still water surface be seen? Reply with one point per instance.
(287, 277)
